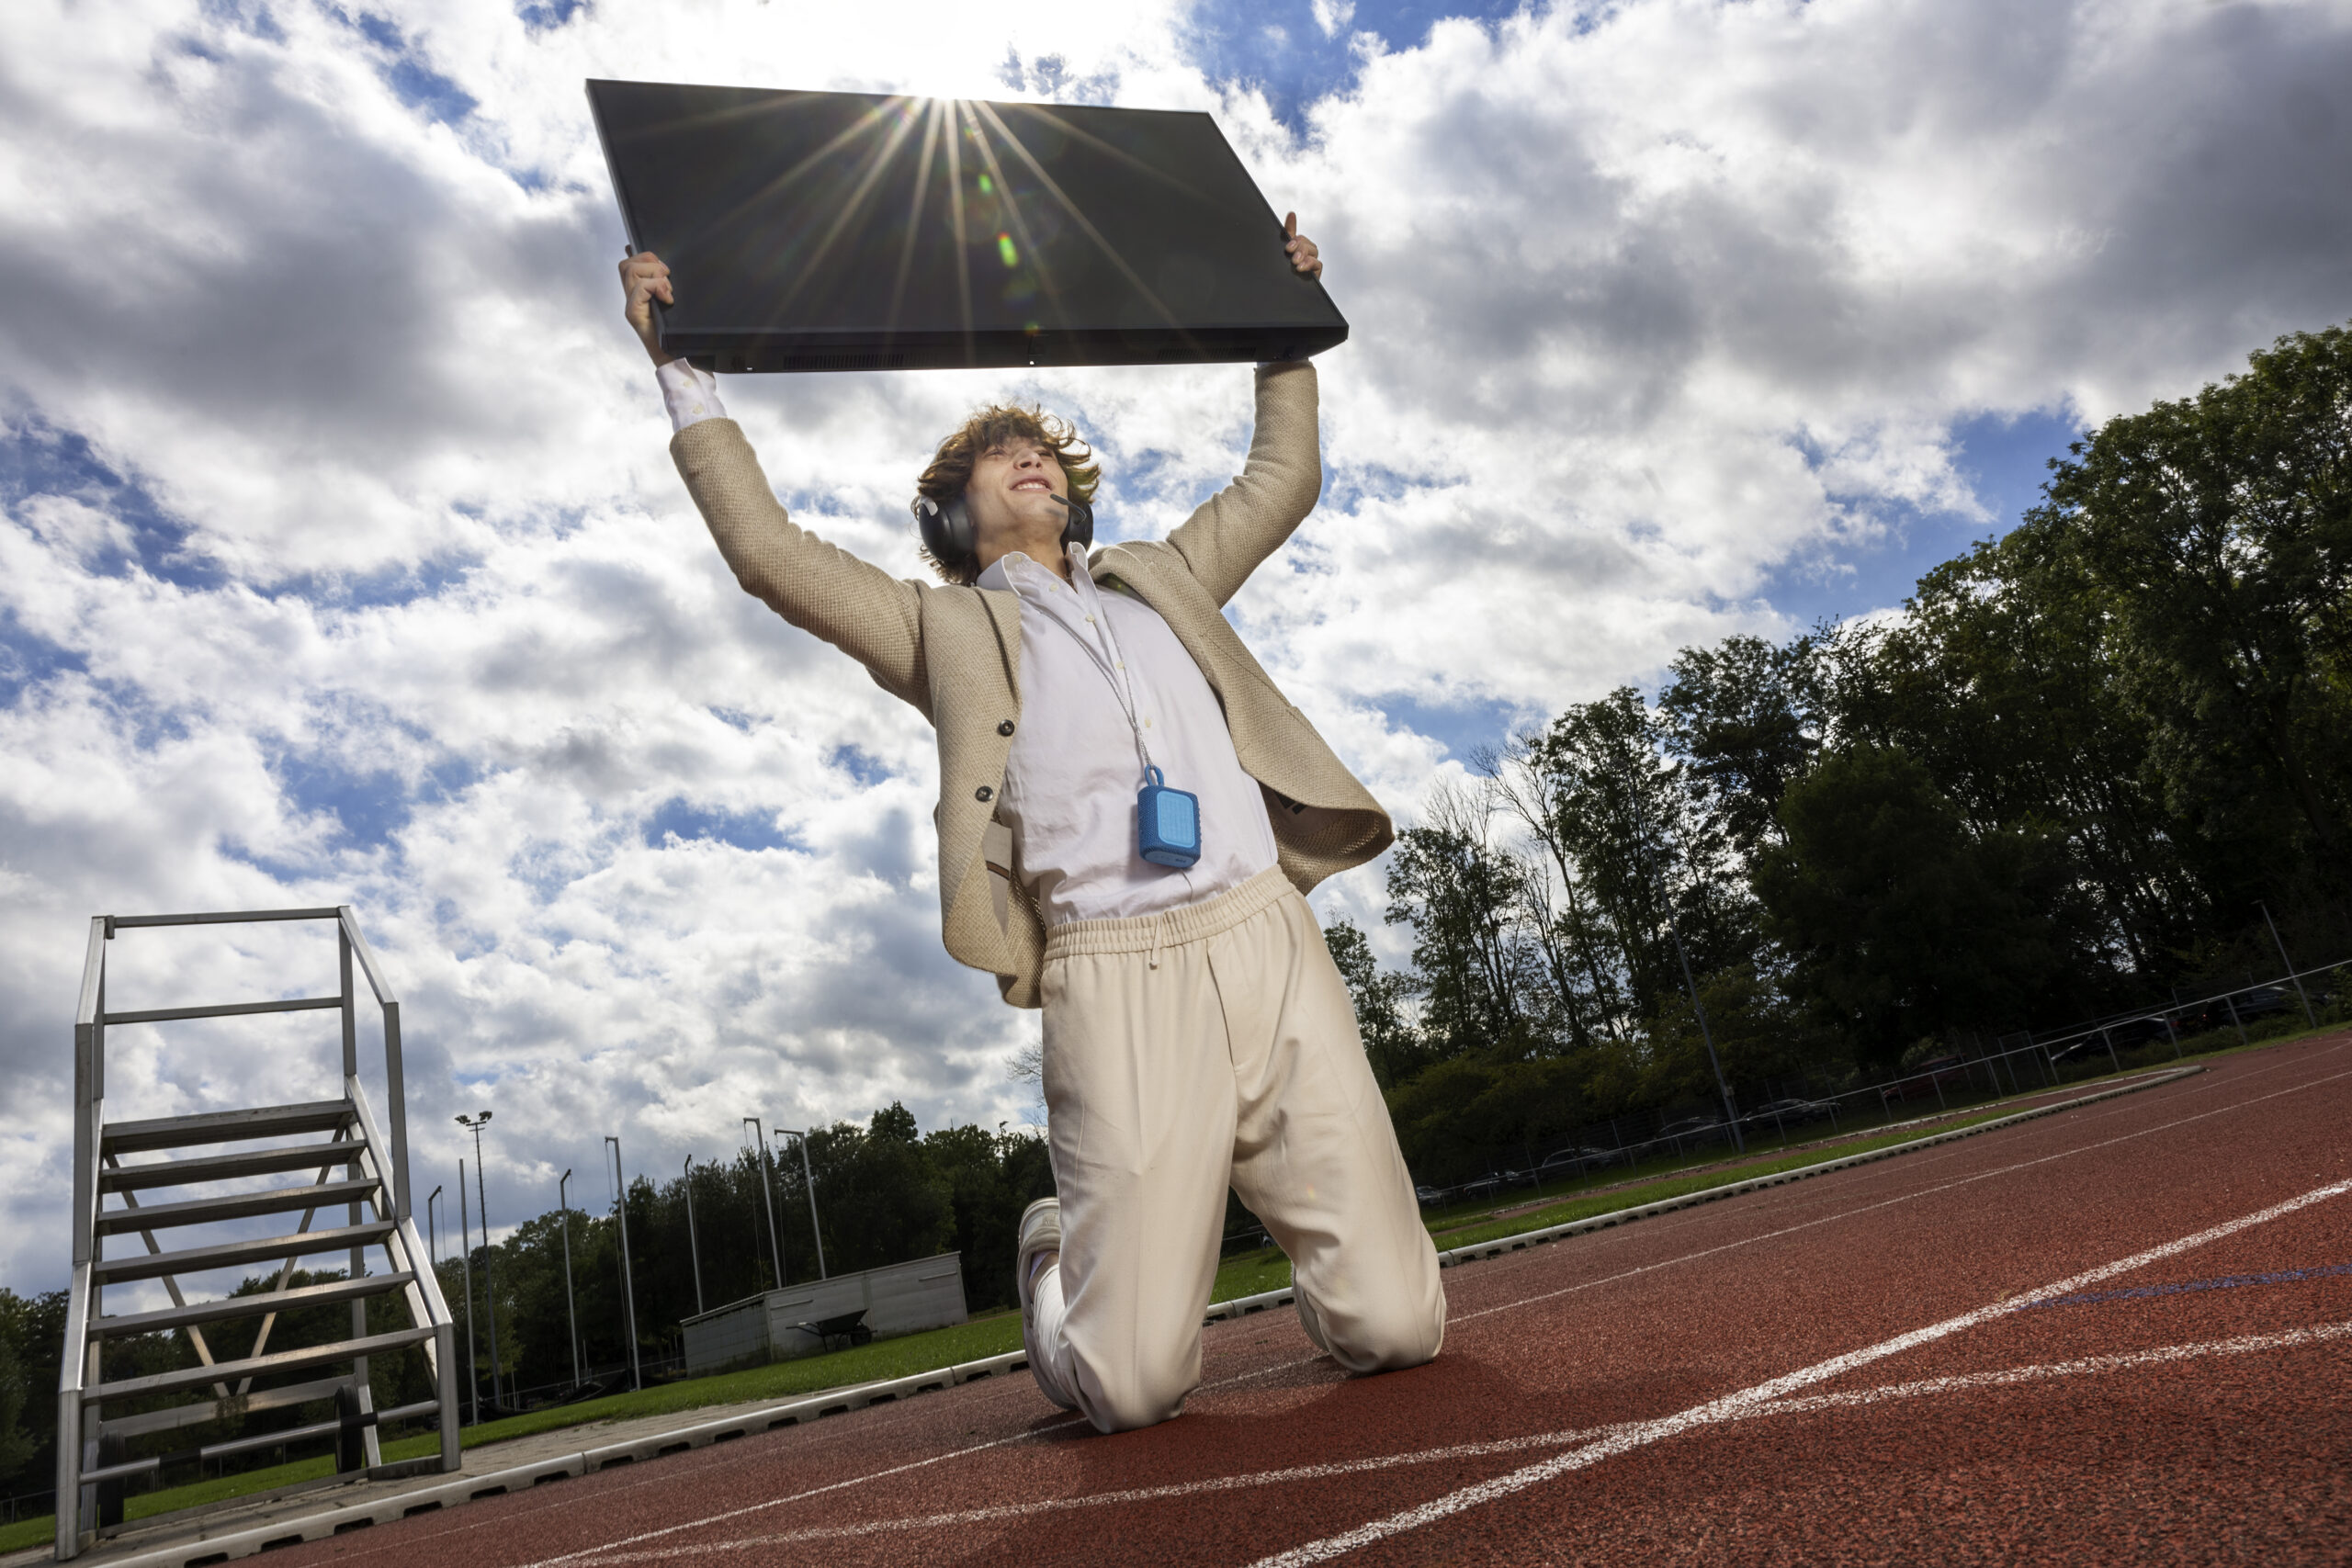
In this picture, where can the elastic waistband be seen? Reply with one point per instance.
(1169, 928)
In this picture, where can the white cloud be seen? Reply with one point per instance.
(341, 559)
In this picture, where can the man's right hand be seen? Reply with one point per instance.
(645, 278)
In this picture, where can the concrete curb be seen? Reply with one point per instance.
(462, 1489)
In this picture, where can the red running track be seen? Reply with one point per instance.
(1857, 1367)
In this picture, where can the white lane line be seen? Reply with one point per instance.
(1455, 1320)
(2121, 1362)
(1104, 1499)
(800, 1497)
(1890, 1202)
(1735, 1407)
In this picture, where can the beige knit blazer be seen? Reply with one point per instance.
(955, 653)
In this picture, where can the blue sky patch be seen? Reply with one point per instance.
(857, 764)
(415, 83)
(37, 458)
(1278, 47)
(540, 16)
(2005, 460)
(688, 821)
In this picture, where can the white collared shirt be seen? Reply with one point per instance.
(1070, 782)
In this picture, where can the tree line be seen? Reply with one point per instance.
(2069, 776)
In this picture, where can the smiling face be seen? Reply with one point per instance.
(1011, 495)
(1007, 463)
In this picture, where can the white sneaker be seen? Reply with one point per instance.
(1040, 1233)
(1040, 1230)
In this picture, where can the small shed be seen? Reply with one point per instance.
(900, 1299)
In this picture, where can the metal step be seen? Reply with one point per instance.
(254, 1366)
(225, 1168)
(250, 1306)
(236, 1254)
(237, 1206)
(225, 1126)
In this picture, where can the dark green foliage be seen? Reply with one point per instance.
(17, 1441)
(1900, 922)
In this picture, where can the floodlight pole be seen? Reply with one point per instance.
(629, 1285)
(2309, 1016)
(432, 1231)
(808, 1177)
(571, 1312)
(466, 1263)
(693, 1243)
(489, 1280)
(767, 1196)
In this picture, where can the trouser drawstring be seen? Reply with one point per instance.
(1159, 930)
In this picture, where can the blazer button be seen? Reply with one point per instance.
(1005, 728)
(984, 793)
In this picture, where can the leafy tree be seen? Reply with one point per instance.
(1382, 999)
(1471, 963)
(16, 1443)
(1744, 717)
(2217, 531)
(877, 1194)
(1900, 922)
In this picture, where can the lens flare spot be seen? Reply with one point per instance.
(988, 186)
(1005, 249)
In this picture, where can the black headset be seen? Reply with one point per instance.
(948, 535)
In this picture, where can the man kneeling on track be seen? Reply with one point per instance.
(1129, 816)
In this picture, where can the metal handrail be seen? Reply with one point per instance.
(385, 1161)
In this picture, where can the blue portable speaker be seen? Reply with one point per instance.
(1168, 823)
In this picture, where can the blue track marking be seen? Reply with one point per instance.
(2227, 1282)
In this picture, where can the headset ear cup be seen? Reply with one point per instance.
(946, 530)
(1080, 529)
(961, 535)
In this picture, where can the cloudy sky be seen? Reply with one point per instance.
(341, 559)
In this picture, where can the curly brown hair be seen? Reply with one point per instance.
(951, 466)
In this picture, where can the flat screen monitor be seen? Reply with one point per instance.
(853, 232)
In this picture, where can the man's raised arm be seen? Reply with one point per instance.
(818, 587)
(1231, 533)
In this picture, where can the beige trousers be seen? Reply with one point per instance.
(1211, 1044)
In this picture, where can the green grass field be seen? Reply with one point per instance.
(1243, 1275)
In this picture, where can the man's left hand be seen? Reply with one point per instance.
(1303, 257)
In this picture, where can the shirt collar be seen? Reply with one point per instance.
(1015, 572)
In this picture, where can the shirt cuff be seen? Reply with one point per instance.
(691, 395)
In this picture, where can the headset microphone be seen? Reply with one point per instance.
(1081, 528)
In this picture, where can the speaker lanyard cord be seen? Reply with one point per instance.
(1125, 692)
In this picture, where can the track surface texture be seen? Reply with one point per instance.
(2122, 1334)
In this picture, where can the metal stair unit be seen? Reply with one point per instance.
(354, 1168)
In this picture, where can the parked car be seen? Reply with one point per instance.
(1428, 1196)
(1692, 1130)
(1792, 1113)
(1485, 1186)
(1575, 1162)
(2258, 1001)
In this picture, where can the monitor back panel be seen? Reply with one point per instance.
(852, 231)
